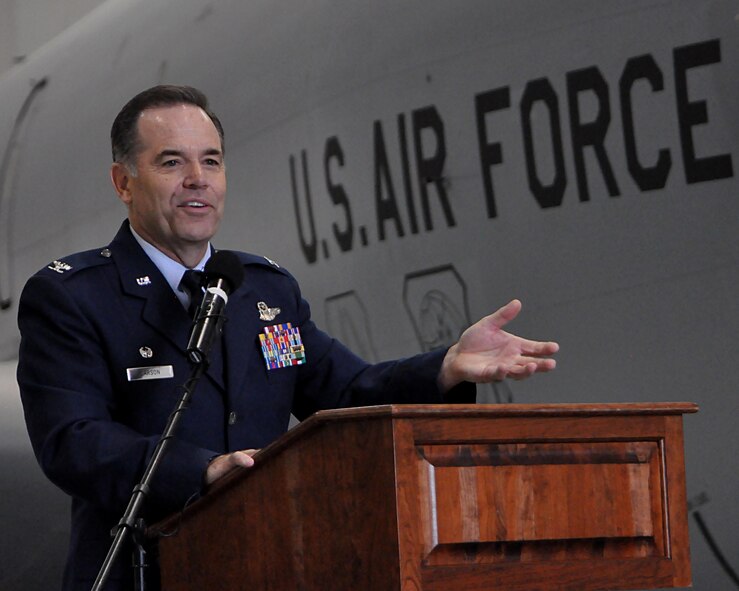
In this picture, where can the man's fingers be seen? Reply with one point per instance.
(243, 458)
(539, 348)
(227, 462)
(504, 315)
(521, 369)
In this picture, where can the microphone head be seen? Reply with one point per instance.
(225, 265)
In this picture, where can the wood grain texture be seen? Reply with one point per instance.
(416, 498)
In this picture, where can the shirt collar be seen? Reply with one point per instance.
(171, 269)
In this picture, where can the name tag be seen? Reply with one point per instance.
(154, 372)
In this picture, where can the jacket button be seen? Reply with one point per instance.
(232, 416)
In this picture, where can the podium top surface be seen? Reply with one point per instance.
(475, 411)
(504, 410)
(462, 411)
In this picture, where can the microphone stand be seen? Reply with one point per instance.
(130, 523)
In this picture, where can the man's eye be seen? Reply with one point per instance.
(212, 162)
(170, 163)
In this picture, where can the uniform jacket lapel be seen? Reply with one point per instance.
(141, 279)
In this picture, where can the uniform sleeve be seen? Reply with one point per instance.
(69, 406)
(337, 378)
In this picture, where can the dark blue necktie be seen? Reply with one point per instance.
(192, 284)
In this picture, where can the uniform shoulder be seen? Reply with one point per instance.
(72, 264)
(249, 259)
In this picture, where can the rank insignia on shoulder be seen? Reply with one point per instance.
(271, 262)
(59, 267)
(267, 313)
(282, 346)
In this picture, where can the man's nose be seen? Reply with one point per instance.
(194, 175)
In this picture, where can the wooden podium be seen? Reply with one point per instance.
(451, 497)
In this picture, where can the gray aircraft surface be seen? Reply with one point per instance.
(416, 164)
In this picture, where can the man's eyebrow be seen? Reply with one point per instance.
(168, 152)
(173, 152)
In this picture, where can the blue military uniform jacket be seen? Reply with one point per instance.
(89, 318)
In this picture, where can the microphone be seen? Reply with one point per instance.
(223, 274)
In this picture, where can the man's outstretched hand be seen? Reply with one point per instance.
(486, 353)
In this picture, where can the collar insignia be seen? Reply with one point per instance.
(59, 267)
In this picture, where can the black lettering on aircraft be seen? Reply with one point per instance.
(430, 169)
(386, 206)
(541, 91)
(338, 195)
(647, 178)
(491, 153)
(308, 239)
(692, 113)
(648, 172)
(591, 133)
(648, 161)
(407, 184)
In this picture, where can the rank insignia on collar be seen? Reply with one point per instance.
(59, 266)
(143, 280)
(266, 313)
(282, 346)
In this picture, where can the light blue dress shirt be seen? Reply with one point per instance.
(171, 269)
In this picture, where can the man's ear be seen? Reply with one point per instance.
(120, 176)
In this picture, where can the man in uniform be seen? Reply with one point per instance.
(104, 334)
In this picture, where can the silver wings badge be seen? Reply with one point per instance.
(267, 313)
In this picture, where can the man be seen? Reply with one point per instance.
(96, 326)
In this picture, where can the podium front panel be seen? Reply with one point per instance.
(556, 503)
